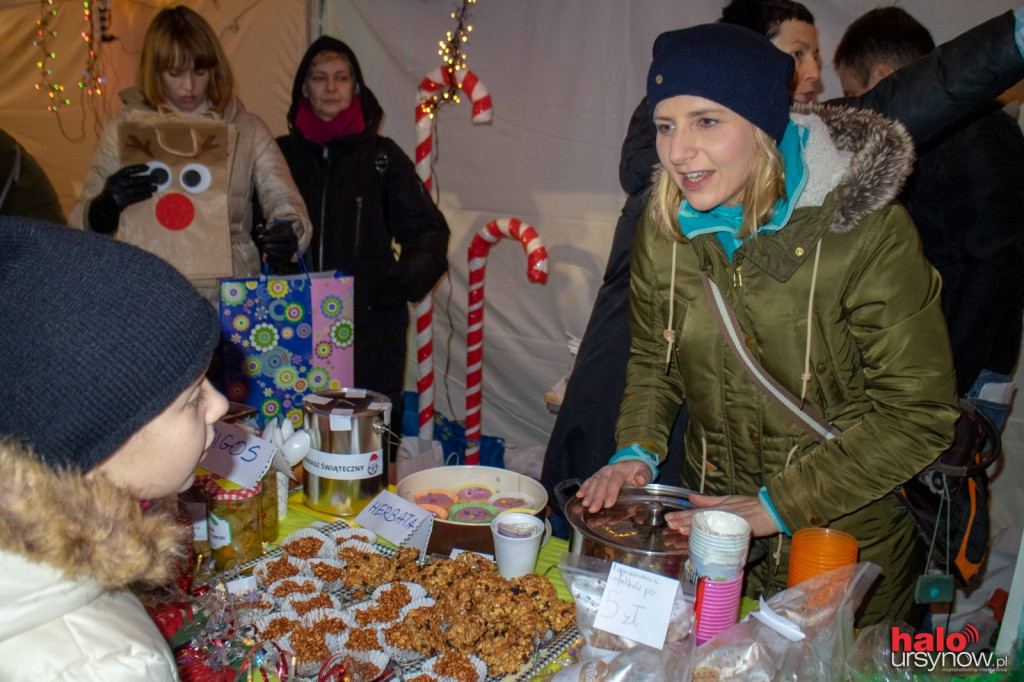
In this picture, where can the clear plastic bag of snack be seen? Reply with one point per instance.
(870, 660)
(611, 658)
(803, 633)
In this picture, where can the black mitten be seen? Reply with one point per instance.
(127, 186)
(278, 243)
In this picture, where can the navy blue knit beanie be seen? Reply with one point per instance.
(96, 339)
(727, 64)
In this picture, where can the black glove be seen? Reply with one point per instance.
(278, 243)
(128, 186)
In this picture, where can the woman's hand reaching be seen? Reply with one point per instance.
(750, 508)
(602, 489)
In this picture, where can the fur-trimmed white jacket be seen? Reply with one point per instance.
(69, 549)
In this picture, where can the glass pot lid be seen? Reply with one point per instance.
(637, 520)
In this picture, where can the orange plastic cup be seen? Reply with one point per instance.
(819, 550)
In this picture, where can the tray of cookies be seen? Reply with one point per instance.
(333, 594)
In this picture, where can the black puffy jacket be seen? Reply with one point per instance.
(362, 192)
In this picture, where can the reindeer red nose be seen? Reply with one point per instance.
(175, 211)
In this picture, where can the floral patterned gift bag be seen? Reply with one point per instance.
(283, 337)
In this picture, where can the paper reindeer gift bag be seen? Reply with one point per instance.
(186, 221)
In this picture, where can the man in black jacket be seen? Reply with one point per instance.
(583, 437)
(966, 196)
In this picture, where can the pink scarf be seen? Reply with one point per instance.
(347, 122)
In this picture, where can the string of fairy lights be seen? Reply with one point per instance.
(91, 82)
(450, 51)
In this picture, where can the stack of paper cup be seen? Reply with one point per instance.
(819, 550)
(717, 606)
(719, 542)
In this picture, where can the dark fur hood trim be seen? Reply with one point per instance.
(882, 158)
(84, 528)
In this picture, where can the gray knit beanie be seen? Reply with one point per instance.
(727, 64)
(97, 338)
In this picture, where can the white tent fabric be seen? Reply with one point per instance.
(564, 77)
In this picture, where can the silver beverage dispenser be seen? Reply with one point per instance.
(346, 465)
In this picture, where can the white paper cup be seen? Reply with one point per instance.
(719, 542)
(517, 540)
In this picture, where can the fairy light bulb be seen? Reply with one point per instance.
(453, 58)
(45, 30)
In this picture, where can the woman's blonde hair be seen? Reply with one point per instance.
(326, 56)
(179, 37)
(767, 184)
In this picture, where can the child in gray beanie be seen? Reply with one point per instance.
(103, 353)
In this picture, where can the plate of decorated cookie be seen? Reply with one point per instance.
(465, 499)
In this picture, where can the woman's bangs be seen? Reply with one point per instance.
(184, 52)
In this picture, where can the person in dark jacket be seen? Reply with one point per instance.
(919, 95)
(24, 188)
(372, 217)
(966, 197)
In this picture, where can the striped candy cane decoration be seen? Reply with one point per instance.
(537, 271)
(436, 80)
(482, 113)
(425, 365)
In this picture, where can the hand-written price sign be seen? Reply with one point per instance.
(397, 520)
(238, 455)
(637, 605)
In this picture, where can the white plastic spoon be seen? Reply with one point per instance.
(296, 447)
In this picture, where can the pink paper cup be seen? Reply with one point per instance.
(717, 606)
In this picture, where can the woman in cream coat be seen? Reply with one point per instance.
(183, 73)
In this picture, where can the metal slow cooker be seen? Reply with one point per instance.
(633, 531)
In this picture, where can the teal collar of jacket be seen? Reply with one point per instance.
(724, 222)
(854, 162)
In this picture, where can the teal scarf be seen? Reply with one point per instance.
(724, 222)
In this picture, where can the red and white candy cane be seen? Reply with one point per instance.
(536, 271)
(425, 365)
(436, 80)
(482, 113)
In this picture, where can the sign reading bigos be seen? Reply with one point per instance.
(238, 455)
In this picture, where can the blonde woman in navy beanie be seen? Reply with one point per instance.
(105, 404)
(790, 215)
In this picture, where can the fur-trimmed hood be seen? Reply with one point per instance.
(860, 155)
(85, 529)
(856, 162)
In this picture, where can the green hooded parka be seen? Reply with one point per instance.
(875, 358)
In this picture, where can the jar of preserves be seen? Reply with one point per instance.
(268, 505)
(192, 504)
(234, 523)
